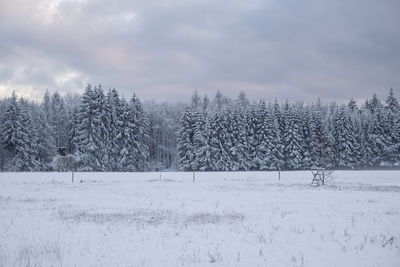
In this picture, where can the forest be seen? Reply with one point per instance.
(102, 131)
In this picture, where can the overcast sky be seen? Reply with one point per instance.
(165, 49)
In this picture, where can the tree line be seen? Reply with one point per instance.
(105, 132)
(239, 135)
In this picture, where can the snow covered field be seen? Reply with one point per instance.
(223, 219)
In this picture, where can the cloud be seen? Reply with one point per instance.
(166, 49)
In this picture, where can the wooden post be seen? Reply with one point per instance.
(160, 176)
(72, 175)
(193, 176)
(279, 174)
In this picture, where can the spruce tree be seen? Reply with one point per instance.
(346, 151)
(141, 124)
(46, 149)
(19, 137)
(201, 142)
(219, 141)
(87, 136)
(237, 151)
(293, 139)
(393, 116)
(115, 117)
(185, 141)
(251, 129)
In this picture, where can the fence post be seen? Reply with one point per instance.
(193, 176)
(279, 174)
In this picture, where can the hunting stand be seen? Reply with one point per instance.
(319, 176)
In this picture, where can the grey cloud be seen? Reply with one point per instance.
(166, 49)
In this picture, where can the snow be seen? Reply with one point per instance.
(223, 219)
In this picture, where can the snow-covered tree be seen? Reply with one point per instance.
(185, 141)
(345, 139)
(293, 139)
(219, 141)
(108, 133)
(141, 132)
(87, 137)
(393, 116)
(18, 136)
(115, 116)
(46, 149)
(201, 143)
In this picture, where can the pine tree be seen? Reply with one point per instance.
(375, 104)
(218, 142)
(251, 144)
(308, 139)
(87, 136)
(201, 142)
(185, 141)
(115, 119)
(196, 101)
(58, 120)
(19, 136)
(293, 139)
(237, 151)
(242, 101)
(128, 157)
(393, 116)
(378, 137)
(269, 146)
(141, 132)
(12, 136)
(366, 145)
(345, 139)
(46, 149)
(205, 104)
(101, 124)
(72, 130)
(47, 107)
(352, 105)
(10, 126)
(277, 162)
(262, 136)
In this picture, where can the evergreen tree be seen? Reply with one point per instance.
(201, 142)
(352, 105)
(59, 119)
(269, 147)
(205, 104)
(393, 116)
(101, 125)
(251, 144)
(115, 140)
(46, 149)
(18, 136)
(308, 139)
(128, 156)
(141, 124)
(345, 139)
(87, 136)
(378, 137)
(293, 139)
(219, 141)
(185, 141)
(238, 152)
(196, 100)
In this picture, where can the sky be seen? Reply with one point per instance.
(165, 49)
